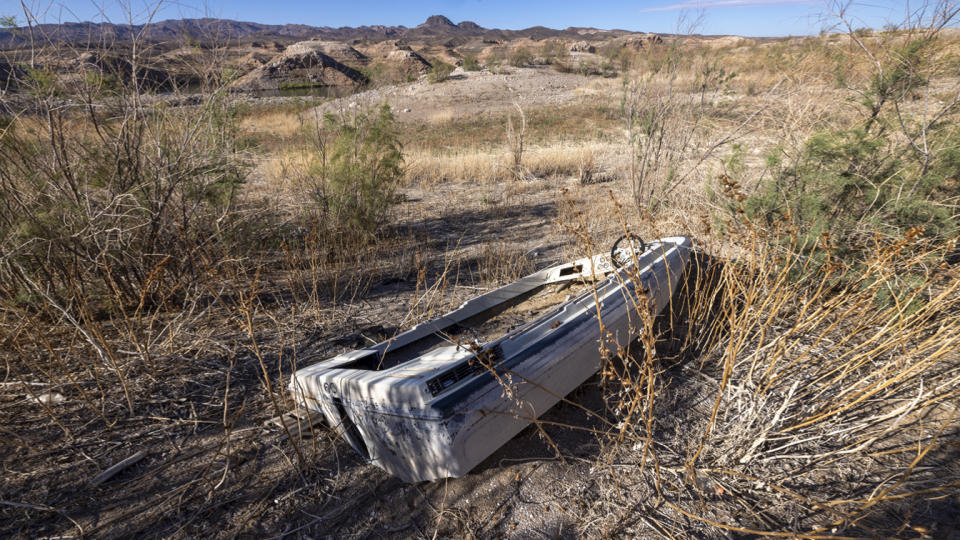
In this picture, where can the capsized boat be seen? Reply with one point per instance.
(436, 400)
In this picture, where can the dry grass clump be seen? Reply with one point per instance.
(581, 160)
(276, 122)
(544, 125)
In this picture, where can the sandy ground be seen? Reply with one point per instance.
(468, 93)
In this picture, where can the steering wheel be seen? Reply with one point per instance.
(619, 258)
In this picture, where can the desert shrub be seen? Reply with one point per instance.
(520, 57)
(359, 169)
(890, 172)
(553, 50)
(854, 183)
(42, 82)
(470, 63)
(497, 59)
(831, 375)
(515, 138)
(608, 69)
(621, 56)
(666, 106)
(115, 200)
(439, 71)
(587, 68)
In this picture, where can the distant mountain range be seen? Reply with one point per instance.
(215, 30)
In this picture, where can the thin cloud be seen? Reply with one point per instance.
(706, 4)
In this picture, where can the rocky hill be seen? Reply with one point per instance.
(307, 64)
(184, 53)
(217, 30)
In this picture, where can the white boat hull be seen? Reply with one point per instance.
(442, 412)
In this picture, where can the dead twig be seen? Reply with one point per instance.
(115, 469)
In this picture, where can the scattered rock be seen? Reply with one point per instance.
(582, 46)
(408, 61)
(644, 42)
(341, 52)
(253, 60)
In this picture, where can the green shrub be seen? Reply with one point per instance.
(439, 71)
(470, 63)
(553, 50)
(608, 69)
(887, 174)
(587, 68)
(520, 57)
(43, 82)
(853, 184)
(364, 167)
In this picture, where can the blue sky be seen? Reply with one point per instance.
(741, 17)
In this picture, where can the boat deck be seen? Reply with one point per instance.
(488, 325)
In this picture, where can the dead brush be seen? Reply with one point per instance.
(778, 383)
(499, 263)
(586, 166)
(319, 264)
(515, 137)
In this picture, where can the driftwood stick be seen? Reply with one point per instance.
(112, 471)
